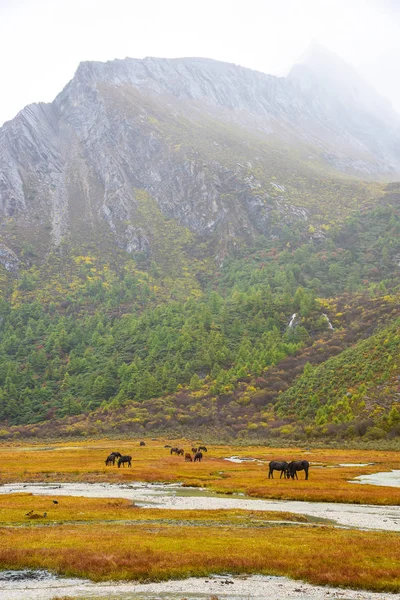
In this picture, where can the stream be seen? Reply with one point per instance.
(42, 585)
(175, 496)
(392, 479)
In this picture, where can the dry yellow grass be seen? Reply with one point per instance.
(106, 539)
(84, 461)
(320, 555)
(17, 509)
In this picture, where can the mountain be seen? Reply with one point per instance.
(189, 244)
(356, 119)
(217, 146)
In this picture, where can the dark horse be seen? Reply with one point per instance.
(202, 448)
(142, 444)
(198, 456)
(125, 459)
(178, 451)
(110, 460)
(297, 465)
(276, 465)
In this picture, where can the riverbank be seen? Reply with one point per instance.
(176, 497)
(63, 509)
(331, 471)
(256, 587)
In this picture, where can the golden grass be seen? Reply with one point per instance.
(84, 461)
(19, 509)
(320, 555)
(106, 539)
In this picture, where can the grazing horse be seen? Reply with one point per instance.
(198, 456)
(125, 459)
(178, 451)
(194, 450)
(202, 448)
(188, 457)
(276, 465)
(110, 460)
(142, 444)
(297, 465)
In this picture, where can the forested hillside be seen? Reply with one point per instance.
(190, 245)
(296, 336)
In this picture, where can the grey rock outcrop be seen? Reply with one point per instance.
(202, 138)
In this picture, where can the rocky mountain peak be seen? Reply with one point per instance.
(217, 147)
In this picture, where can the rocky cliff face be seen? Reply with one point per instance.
(224, 150)
(323, 102)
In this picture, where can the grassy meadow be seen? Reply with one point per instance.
(85, 461)
(112, 539)
(178, 549)
(15, 509)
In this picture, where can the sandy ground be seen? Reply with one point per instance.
(360, 516)
(217, 588)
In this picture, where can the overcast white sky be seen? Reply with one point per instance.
(43, 41)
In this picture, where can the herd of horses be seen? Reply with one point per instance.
(121, 460)
(197, 453)
(288, 469)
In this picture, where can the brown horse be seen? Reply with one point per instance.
(198, 456)
(177, 451)
(188, 457)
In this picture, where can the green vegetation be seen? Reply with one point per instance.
(356, 392)
(180, 344)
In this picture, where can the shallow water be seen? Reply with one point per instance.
(243, 459)
(391, 479)
(256, 587)
(25, 575)
(355, 464)
(41, 585)
(175, 496)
